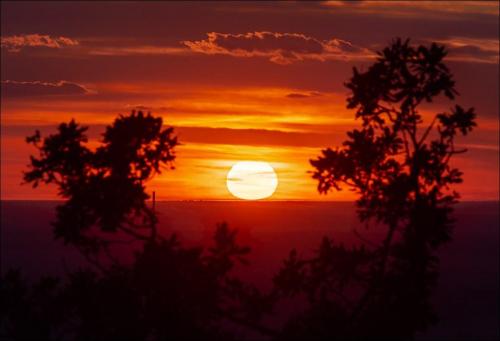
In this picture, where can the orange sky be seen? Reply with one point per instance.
(244, 82)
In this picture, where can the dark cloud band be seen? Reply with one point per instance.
(36, 88)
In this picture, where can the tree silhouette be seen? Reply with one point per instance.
(168, 292)
(402, 174)
(104, 188)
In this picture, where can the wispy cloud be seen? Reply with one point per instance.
(36, 88)
(256, 137)
(17, 42)
(301, 95)
(413, 9)
(138, 50)
(489, 45)
(479, 50)
(280, 48)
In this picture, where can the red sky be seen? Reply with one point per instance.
(238, 80)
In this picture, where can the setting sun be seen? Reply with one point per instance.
(252, 180)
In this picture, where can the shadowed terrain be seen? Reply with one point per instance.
(465, 297)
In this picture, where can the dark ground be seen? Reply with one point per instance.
(466, 298)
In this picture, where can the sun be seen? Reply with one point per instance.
(252, 180)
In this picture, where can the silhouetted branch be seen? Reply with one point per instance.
(427, 131)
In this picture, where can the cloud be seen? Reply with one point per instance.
(139, 50)
(280, 48)
(300, 95)
(142, 108)
(37, 88)
(479, 50)
(146, 108)
(206, 135)
(416, 9)
(17, 42)
(256, 137)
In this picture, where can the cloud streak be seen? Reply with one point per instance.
(139, 50)
(416, 9)
(36, 88)
(478, 50)
(16, 43)
(279, 48)
(301, 95)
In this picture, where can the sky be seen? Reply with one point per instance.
(239, 81)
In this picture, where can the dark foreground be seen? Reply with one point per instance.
(466, 298)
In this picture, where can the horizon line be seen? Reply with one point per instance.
(245, 201)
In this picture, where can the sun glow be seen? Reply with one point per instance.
(252, 180)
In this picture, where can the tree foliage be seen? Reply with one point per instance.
(104, 188)
(394, 162)
(398, 163)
